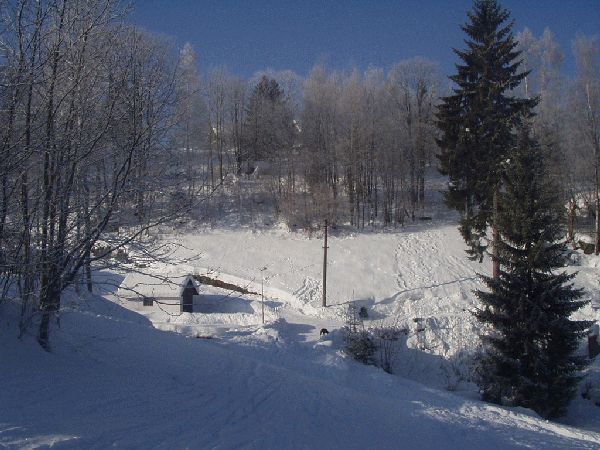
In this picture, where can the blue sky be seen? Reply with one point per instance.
(247, 36)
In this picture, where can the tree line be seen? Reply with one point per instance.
(344, 146)
(354, 147)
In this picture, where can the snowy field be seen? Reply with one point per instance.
(127, 376)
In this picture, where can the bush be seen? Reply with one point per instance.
(122, 256)
(587, 248)
(360, 346)
(354, 321)
(358, 342)
(100, 249)
(591, 391)
(461, 367)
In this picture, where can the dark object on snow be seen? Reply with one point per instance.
(587, 248)
(363, 313)
(112, 226)
(323, 332)
(426, 218)
(420, 324)
(101, 250)
(122, 256)
(203, 279)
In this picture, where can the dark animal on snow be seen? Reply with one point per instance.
(323, 332)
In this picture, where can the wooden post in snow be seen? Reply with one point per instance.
(262, 293)
(325, 267)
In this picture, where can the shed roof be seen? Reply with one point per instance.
(155, 285)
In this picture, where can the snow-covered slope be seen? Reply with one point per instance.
(418, 271)
(115, 381)
(141, 379)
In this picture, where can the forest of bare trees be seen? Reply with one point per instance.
(106, 126)
(86, 105)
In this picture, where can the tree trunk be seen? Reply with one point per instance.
(571, 222)
(495, 239)
(597, 205)
(596, 193)
(50, 304)
(48, 300)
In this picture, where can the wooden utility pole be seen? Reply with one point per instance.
(262, 293)
(325, 267)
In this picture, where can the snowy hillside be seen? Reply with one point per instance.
(416, 272)
(141, 379)
(114, 381)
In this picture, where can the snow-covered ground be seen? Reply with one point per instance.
(126, 376)
(416, 272)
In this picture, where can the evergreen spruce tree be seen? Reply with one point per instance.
(269, 123)
(530, 358)
(477, 121)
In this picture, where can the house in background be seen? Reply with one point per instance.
(171, 293)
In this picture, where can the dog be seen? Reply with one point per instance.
(323, 332)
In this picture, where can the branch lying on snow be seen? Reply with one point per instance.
(224, 285)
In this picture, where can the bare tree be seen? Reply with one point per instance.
(413, 86)
(217, 85)
(191, 116)
(319, 128)
(88, 105)
(587, 97)
(236, 96)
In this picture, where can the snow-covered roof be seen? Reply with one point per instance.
(155, 285)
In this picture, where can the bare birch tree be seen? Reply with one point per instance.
(587, 98)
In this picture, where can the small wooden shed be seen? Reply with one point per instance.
(593, 344)
(189, 289)
(171, 292)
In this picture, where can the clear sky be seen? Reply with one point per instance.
(250, 35)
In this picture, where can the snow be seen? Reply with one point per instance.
(415, 272)
(159, 285)
(141, 378)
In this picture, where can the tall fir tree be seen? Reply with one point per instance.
(477, 121)
(530, 359)
(269, 126)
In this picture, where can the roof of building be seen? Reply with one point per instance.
(155, 285)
